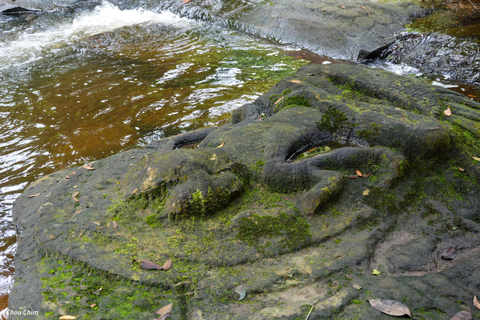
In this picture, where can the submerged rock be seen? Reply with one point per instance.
(243, 209)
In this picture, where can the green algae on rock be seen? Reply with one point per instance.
(244, 209)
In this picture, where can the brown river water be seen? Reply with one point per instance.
(79, 86)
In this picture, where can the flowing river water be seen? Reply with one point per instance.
(79, 85)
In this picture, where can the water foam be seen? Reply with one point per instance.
(105, 17)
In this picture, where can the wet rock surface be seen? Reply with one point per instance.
(334, 172)
(437, 54)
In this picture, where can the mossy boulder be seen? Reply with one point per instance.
(334, 172)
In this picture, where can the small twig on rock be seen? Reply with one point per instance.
(366, 10)
(311, 309)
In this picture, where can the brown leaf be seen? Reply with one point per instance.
(476, 158)
(167, 265)
(276, 102)
(352, 177)
(461, 169)
(68, 317)
(92, 305)
(390, 307)
(115, 224)
(359, 173)
(462, 315)
(185, 1)
(475, 302)
(165, 310)
(448, 112)
(295, 81)
(89, 166)
(223, 143)
(34, 195)
(149, 265)
(74, 195)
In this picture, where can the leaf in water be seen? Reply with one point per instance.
(295, 81)
(276, 102)
(461, 169)
(462, 315)
(89, 166)
(74, 195)
(149, 265)
(115, 224)
(165, 310)
(241, 291)
(448, 112)
(476, 158)
(34, 195)
(223, 143)
(475, 302)
(359, 173)
(167, 265)
(375, 271)
(390, 307)
(68, 317)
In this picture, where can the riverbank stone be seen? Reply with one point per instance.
(335, 172)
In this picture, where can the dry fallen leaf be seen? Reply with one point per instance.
(149, 265)
(295, 81)
(461, 169)
(115, 224)
(356, 286)
(390, 307)
(223, 143)
(74, 195)
(343, 7)
(34, 195)
(476, 158)
(462, 315)
(167, 265)
(448, 112)
(185, 1)
(165, 310)
(241, 291)
(67, 317)
(375, 271)
(214, 157)
(89, 166)
(359, 173)
(92, 305)
(475, 302)
(366, 192)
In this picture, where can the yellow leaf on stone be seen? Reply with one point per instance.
(295, 81)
